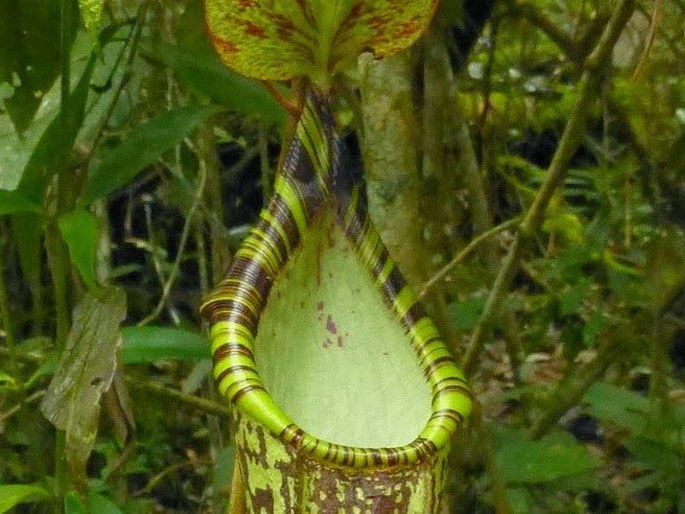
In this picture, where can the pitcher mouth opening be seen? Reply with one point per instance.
(349, 371)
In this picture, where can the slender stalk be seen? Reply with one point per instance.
(66, 21)
(570, 392)
(465, 252)
(5, 312)
(58, 271)
(168, 284)
(189, 400)
(497, 487)
(570, 140)
(55, 247)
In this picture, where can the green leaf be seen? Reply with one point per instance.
(621, 407)
(150, 344)
(101, 505)
(221, 477)
(16, 150)
(520, 500)
(656, 456)
(466, 314)
(13, 495)
(593, 327)
(85, 371)
(27, 233)
(200, 70)
(522, 461)
(12, 202)
(144, 145)
(566, 224)
(571, 299)
(29, 54)
(73, 504)
(53, 150)
(79, 229)
(283, 39)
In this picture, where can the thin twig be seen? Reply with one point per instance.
(26, 401)
(189, 400)
(656, 14)
(570, 139)
(202, 175)
(573, 388)
(7, 322)
(465, 252)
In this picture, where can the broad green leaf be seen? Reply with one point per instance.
(221, 477)
(150, 344)
(13, 495)
(113, 168)
(466, 314)
(656, 455)
(523, 461)
(52, 152)
(566, 224)
(623, 408)
(29, 54)
(520, 500)
(571, 299)
(12, 202)
(84, 373)
(15, 149)
(593, 327)
(79, 229)
(327, 340)
(282, 39)
(101, 505)
(73, 504)
(200, 70)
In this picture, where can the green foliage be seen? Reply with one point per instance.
(13, 495)
(30, 49)
(117, 166)
(79, 229)
(201, 71)
(108, 144)
(150, 344)
(523, 461)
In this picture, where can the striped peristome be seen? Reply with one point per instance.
(313, 175)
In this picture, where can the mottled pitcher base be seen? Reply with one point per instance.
(278, 480)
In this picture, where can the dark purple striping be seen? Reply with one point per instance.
(229, 349)
(249, 386)
(452, 388)
(435, 364)
(413, 315)
(448, 413)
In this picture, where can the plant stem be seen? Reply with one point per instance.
(570, 140)
(195, 402)
(58, 271)
(466, 251)
(168, 284)
(389, 145)
(5, 312)
(497, 487)
(570, 392)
